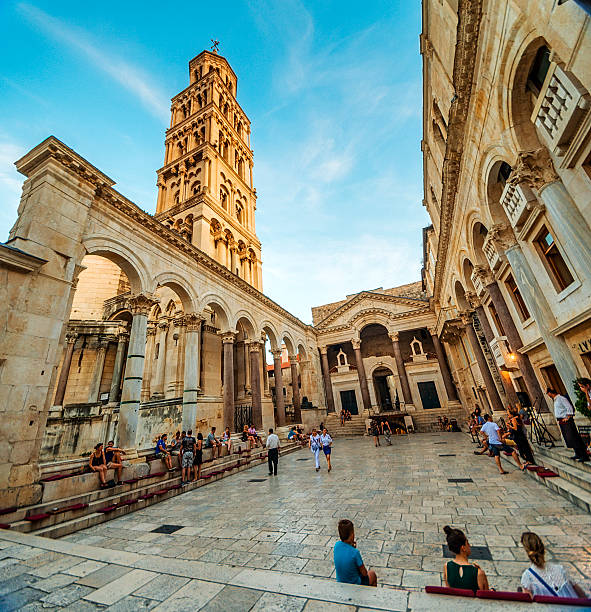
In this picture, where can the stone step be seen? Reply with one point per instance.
(577, 473)
(60, 524)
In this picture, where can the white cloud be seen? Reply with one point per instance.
(128, 76)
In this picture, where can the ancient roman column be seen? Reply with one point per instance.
(264, 369)
(406, 394)
(515, 342)
(191, 370)
(97, 373)
(65, 371)
(148, 362)
(361, 374)
(228, 344)
(158, 390)
(489, 383)
(122, 340)
(450, 388)
(295, 387)
(326, 378)
(129, 406)
(278, 375)
(255, 384)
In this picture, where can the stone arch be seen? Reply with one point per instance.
(460, 295)
(180, 286)
(494, 189)
(245, 320)
(220, 308)
(476, 237)
(303, 354)
(269, 329)
(289, 343)
(124, 257)
(367, 317)
(467, 267)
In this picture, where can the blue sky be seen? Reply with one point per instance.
(333, 90)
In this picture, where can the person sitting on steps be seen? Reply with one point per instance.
(98, 464)
(460, 573)
(162, 452)
(113, 459)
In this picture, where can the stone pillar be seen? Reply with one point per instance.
(406, 394)
(118, 367)
(361, 374)
(129, 407)
(191, 369)
(450, 388)
(65, 371)
(326, 378)
(158, 391)
(489, 337)
(149, 360)
(228, 344)
(279, 400)
(97, 373)
(255, 384)
(247, 369)
(295, 387)
(523, 361)
(489, 383)
(264, 367)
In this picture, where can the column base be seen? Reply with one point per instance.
(408, 408)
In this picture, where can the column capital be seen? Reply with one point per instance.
(432, 330)
(276, 353)
(323, 350)
(163, 325)
(293, 360)
(141, 303)
(192, 321)
(228, 337)
(102, 343)
(123, 336)
(394, 336)
(254, 346)
(473, 299)
(71, 337)
(151, 330)
(466, 317)
(356, 342)
(484, 274)
(534, 168)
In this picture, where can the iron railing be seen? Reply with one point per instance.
(242, 417)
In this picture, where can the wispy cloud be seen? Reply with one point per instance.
(10, 182)
(130, 77)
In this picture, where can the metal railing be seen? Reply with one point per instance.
(242, 417)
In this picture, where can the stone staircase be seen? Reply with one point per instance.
(75, 502)
(425, 421)
(354, 427)
(574, 479)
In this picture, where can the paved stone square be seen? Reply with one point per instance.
(267, 545)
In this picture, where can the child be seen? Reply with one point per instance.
(347, 559)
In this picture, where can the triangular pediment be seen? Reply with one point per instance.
(368, 303)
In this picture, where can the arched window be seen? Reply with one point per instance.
(539, 70)
(177, 197)
(504, 173)
(239, 213)
(224, 199)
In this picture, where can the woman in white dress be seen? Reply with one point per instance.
(315, 445)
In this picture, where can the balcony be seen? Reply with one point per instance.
(561, 105)
(478, 284)
(517, 200)
(491, 253)
(504, 358)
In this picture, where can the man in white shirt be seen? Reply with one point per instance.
(564, 411)
(272, 452)
(496, 445)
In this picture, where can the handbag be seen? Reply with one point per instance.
(566, 590)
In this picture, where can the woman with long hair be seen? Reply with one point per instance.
(461, 573)
(517, 431)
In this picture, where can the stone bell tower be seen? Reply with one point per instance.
(205, 189)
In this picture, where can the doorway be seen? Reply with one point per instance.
(383, 383)
(428, 393)
(349, 401)
(552, 379)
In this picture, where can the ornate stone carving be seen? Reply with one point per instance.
(356, 342)
(394, 336)
(193, 321)
(141, 304)
(534, 168)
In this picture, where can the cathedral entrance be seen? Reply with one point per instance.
(349, 401)
(385, 388)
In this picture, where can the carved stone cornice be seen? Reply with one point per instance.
(472, 299)
(141, 304)
(192, 321)
(534, 168)
(466, 51)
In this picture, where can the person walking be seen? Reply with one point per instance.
(198, 461)
(326, 442)
(564, 413)
(273, 446)
(496, 445)
(189, 445)
(315, 445)
(516, 428)
(375, 432)
(387, 432)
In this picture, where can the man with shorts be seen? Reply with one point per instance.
(113, 459)
(189, 445)
(162, 453)
(213, 443)
(347, 559)
(496, 445)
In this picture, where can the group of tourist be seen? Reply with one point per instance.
(321, 441)
(106, 458)
(345, 416)
(380, 427)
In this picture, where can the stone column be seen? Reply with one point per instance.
(450, 388)
(264, 367)
(97, 374)
(523, 361)
(279, 400)
(65, 371)
(361, 374)
(297, 407)
(228, 344)
(489, 337)
(129, 407)
(255, 384)
(158, 391)
(489, 383)
(406, 394)
(148, 362)
(326, 378)
(247, 369)
(118, 367)
(191, 369)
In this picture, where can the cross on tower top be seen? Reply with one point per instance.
(215, 45)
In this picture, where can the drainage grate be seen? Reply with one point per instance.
(167, 529)
(478, 552)
(459, 480)
(257, 480)
(450, 455)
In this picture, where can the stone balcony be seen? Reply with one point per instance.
(502, 354)
(518, 200)
(478, 284)
(560, 108)
(491, 253)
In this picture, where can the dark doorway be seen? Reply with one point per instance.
(381, 385)
(428, 393)
(349, 401)
(552, 379)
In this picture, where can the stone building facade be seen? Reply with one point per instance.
(507, 184)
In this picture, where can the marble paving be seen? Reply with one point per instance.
(267, 544)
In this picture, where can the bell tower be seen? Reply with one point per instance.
(205, 189)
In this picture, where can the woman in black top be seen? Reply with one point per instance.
(98, 464)
(515, 426)
(198, 457)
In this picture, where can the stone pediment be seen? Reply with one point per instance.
(370, 304)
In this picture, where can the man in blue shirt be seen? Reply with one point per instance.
(347, 559)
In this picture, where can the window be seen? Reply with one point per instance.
(504, 173)
(496, 319)
(539, 70)
(517, 298)
(553, 260)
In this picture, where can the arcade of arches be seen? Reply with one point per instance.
(121, 324)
